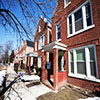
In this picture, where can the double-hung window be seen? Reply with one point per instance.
(40, 27)
(81, 19)
(39, 61)
(58, 31)
(41, 41)
(35, 45)
(78, 20)
(67, 2)
(83, 63)
(92, 61)
(71, 62)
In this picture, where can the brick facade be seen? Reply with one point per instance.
(21, 55)
(45, 30)
(87, 37)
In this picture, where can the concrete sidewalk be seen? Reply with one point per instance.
(19, 91)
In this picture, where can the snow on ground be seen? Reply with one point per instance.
(38, 90)
(90, 98)
(30, 77)
(2, 75)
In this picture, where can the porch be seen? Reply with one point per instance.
(31, 61)
(53, 64)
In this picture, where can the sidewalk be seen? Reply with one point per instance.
(20, 91)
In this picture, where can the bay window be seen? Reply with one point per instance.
(80, 19)
(83, 63)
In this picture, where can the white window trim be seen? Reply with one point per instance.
(40, 27)
(65, 5)
(35, 45)
(85, 27)
(40, 57)
(57, 32)
(40, 47)
(81, 76)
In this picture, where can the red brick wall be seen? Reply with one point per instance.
(44, 30)
(62, 78)
(91, 36)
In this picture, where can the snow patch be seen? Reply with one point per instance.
(30, 77)
(2, 75)
(90, 98)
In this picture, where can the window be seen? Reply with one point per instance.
(40, 27)
(35, 45)
(80, 20)
(39, 62)
(61, 65)
(71, 62)
(58, 31)
(67, 2)
(41, 41)
(70, 25)
(88, 14)
(50, 37)
(92, 62)
(82, 62)
(24, 53)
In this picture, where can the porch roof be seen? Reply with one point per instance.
(31, 54)
(49, 47)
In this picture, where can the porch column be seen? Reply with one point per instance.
(26, 64)
(29, 64)
(55, 68)
(43, 66)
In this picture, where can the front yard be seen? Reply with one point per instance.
(66, 93)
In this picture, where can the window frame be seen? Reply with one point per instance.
(39, 27)
(36, 45)
(85, 27)
(65, 5)
(42, 40)
(57, 31)
(88, 75)
(40, 62)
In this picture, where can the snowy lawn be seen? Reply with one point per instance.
(90, 98)
(2, 75)
(30, 77)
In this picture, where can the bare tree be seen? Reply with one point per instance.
(22, 15)
(5, 50)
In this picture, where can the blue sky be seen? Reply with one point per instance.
(11, 35)
(6, 36)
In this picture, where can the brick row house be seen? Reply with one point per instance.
(74, 53)
(42, 37)
(68, 51)
(24, 55)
